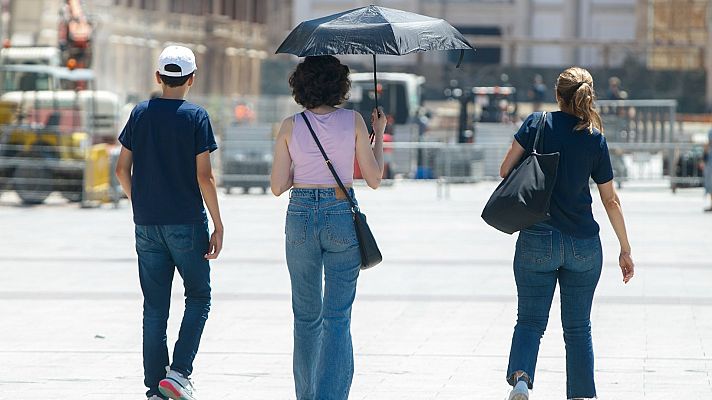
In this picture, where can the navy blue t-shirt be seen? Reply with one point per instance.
(584, 155)
(164, 136)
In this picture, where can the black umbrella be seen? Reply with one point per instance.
(373, 30)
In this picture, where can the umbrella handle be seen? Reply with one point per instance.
(372, 135)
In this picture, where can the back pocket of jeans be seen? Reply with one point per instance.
(534, 246)
(586, 249)
(180, 237)
(295, 228)
(340, 227)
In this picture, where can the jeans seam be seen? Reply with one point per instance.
(184, 249)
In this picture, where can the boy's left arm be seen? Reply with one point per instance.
(123, 170)
(206, 182)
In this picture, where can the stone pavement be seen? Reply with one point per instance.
(434, 321)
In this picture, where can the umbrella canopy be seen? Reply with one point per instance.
(372, 30)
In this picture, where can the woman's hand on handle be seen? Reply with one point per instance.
(378, 121)
(625, 260)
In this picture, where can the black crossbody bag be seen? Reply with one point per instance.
(370, 254)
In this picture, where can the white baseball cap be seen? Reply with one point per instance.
(181, 56)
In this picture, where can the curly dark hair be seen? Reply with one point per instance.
(320, 80)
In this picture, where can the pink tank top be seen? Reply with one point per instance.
(337, 133)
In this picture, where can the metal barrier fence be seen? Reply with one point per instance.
(80, 173)
(643, 138)
(639, 121)
(674, 164)
(645, 147)
(246, 157)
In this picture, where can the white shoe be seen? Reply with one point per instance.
(154, 397)
(520, 392)
(177, 387)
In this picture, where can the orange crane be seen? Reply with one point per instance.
(75, 35)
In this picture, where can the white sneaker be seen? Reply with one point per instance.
(520, 391)
(177, 387)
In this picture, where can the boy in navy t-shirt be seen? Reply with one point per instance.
(164, 168)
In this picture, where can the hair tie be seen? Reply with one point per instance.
(579, 85)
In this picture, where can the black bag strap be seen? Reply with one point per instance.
(539, 131)
(354, 207)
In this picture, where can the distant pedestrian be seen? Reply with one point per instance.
(566, 248)
(321, 243)
(164, 168)
(708, 169)
(614, 91)
(537, 93)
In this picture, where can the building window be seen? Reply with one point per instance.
(259, 11)
(241, 10)
(484, 54)
(148, 4)
(193, 7)
(228, 8)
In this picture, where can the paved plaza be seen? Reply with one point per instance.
(434, 321)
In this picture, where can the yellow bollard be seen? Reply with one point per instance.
(97, 181)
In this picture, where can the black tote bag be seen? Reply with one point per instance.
(370, 254)
(522, 199)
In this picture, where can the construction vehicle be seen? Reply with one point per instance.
(52, 122)
(46, 134)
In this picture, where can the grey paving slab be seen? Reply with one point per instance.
(433, 322)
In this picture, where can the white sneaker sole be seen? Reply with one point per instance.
(173, 390)
(519, 392)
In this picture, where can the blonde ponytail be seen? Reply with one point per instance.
(575, 91)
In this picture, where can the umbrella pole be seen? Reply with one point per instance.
(372, 135)
(375, 84)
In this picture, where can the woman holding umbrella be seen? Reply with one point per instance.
(319, 230)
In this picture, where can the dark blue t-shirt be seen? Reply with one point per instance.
(584, 155)
(164, 136)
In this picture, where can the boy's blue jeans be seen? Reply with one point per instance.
(543, 257)
(162, 249)
(320, 236)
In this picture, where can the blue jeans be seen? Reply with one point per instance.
(320, 236)
(543, 257)
(162, 249)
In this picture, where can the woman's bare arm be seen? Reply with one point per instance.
(282, 177)
(370, 160)
(612, 204)
(514, 154)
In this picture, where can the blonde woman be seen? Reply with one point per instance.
(566, 248)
